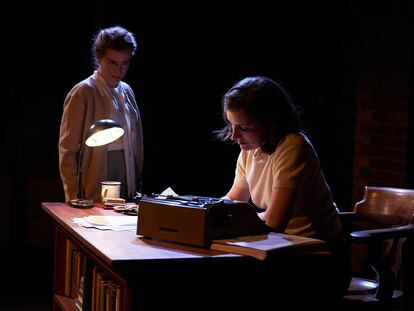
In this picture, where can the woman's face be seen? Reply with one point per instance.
(114, 65)
(247, 132)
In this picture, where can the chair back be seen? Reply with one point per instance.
(386, 205)
(380, 224)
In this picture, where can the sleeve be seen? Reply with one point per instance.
(70, 140)
(292, 163)
(139, 153)
(138, 135)
(240, 176)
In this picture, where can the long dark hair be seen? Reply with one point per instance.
(265, 101)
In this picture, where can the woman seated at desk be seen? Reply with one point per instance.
(278, 168)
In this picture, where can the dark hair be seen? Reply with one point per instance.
(114, 38)
(265, 101)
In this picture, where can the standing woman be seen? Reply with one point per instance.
(103, 95)
(278, 168)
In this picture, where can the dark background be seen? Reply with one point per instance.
(188, 56)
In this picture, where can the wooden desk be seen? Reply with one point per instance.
(153, 275)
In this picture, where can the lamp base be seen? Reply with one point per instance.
(81, 203)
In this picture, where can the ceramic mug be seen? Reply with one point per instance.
(110, 189)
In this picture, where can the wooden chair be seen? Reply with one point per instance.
(380, 223)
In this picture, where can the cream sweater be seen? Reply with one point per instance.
(87, 102)
(295, 165)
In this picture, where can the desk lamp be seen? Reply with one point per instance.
(102, 132)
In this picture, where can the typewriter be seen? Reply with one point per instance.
(196, 220)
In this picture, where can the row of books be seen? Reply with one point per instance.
(105, 294)
(75, 271)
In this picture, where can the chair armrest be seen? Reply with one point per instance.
(347, 216)
(364, 236)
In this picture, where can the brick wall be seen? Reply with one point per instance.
(382, 101)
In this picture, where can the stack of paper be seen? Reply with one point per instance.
(268, 245)
(115, 223)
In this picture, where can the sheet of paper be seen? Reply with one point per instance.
(169, 191)
(115, 223)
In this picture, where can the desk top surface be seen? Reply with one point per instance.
(122, 246)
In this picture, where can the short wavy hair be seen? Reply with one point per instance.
(113, 38)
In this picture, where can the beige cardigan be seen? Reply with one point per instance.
(84, 105)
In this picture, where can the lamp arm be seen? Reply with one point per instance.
(80, 194)
(103, 125)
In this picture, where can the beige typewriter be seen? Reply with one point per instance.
(196, 220)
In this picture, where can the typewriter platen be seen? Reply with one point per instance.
(197, 220)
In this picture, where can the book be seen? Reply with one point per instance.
(268, 245)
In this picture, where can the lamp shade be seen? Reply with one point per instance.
(103, 132)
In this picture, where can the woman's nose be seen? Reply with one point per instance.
(234, 133)
(118, 69)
